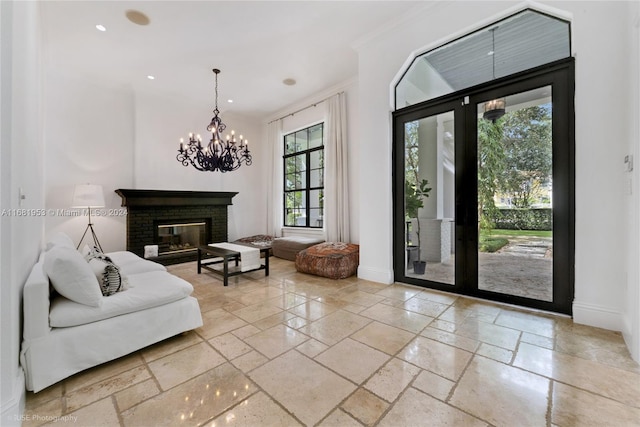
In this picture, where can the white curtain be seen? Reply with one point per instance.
(275, 179)
(336, 181)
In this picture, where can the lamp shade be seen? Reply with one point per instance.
(88, 196)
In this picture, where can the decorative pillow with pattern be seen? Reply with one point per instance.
(107, 273)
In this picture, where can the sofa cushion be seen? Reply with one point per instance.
(130, 263)
(147, 290)
(71, 276)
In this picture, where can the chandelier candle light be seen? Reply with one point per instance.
(219, 154)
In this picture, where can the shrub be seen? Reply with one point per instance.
(491, 244)
(524, 219)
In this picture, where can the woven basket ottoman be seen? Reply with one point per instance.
(335, 260)
(288, 247)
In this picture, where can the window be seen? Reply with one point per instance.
(517, 43)
(304, 177)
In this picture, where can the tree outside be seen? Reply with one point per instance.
(514, 162)
(526, 142)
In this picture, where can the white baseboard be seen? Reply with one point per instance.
(600, 317)
(13, 408)
(375, 275)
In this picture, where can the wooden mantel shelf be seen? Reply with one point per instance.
(144, 198)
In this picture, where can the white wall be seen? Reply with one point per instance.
(603, 137)
(89, 138)
(21, 163)
(109, 135)
(601, 268)
(160, 123)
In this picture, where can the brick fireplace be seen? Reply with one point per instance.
(169, 219)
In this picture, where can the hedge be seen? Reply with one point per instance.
(524, 219)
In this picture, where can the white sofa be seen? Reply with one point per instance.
(62, 337)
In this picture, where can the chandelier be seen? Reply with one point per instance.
(219, 154)
(495, 108)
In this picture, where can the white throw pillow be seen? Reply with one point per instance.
(150, 251)
(71, 276)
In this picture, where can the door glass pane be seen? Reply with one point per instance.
(515, 211)
(430, 198)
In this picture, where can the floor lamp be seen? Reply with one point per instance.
(88, 196)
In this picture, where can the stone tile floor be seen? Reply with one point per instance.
(294, 349)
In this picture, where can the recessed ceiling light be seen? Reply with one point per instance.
(230, 101)
(100, 27)
(289, 82)
(150, 77)
(137, 17)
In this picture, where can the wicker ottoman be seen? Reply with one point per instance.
(335, 260)
(288, 247)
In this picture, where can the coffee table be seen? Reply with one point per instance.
(224, 256)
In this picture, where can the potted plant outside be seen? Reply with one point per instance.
(414, 200)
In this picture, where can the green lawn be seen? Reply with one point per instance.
(491, 241)
(532, 233)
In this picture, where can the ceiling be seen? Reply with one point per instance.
(521, 42)
(255, 44)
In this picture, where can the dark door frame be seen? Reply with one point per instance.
(559, 75)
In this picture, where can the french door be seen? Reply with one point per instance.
(484, 191)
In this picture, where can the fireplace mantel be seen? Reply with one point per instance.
(142, 198)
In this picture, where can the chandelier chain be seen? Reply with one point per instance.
(216, 71)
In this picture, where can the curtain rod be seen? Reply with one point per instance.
(304, 108)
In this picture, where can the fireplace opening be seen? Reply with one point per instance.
(178, 237)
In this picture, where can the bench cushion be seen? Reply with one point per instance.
(147, 290)
(335, 260)
(288, 247)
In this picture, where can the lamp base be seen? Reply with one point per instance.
(93, 234)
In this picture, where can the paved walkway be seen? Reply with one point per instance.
(522, 268)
